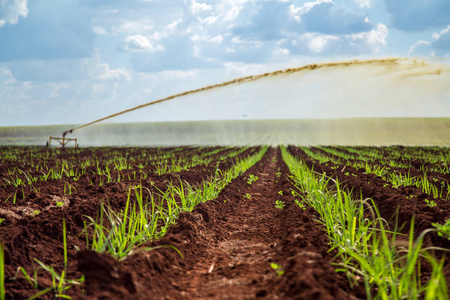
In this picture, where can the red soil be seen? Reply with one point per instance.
(228, 243)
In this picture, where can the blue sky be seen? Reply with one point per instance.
(75, 61)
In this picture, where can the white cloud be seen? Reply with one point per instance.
(420, 48)
(173, 26)
(104, 73)
(445, 31)
(232, 9)
(350, 44)
(315, 42)
(11, 10)
(197, 7)
(6, 77)
(217, 39)
(216, 32)
(364, 3)
(209, 20)
(198, 38)
(133, 27)
(99, 30)
(374, 39)
(139, 43)
(298, 12)
(439, 45)
(282, 51)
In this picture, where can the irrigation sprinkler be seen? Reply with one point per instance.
(62, 141)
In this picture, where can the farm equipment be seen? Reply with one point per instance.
(62, 141)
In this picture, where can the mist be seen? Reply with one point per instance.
(379, 90)
(395, 87)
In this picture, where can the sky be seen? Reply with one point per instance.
(72, 62)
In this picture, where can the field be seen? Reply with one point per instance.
(285, 222)
(363, 132)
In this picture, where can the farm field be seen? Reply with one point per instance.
(214, 222)
(363, 131)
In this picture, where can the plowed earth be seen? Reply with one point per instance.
(233, 246)
(396, 205)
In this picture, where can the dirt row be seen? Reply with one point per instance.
(27, 236)
(396, 205)
(241, 245)
(137, 161)
(229, 244)
(55, 193)
(414, 170)
(233, 247)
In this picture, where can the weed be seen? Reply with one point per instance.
(278, 269)
(300, 204)
(430, 203)
(252, 178)
(60, 284)
(279, 204)
(443, 230)
(247, 196)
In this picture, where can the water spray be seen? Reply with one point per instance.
(388, 63)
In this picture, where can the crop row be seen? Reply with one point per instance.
(133, 212)
(119, 217)
(367, 249)
(16, 181)
(435, 184)
(435, 159)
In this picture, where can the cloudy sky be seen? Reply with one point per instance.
(75, 61)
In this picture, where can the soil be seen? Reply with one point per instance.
(398, 206)
(228, 243)
(237, 246)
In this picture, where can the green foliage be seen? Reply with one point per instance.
(430, 203)
(252, 178)
(366, 248)
(443, 229)
(247, 196)
(143, 219)
(279, 204)
(60, 282)
(278, 269)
